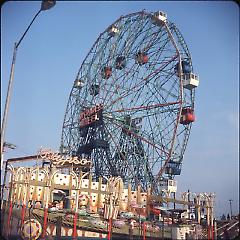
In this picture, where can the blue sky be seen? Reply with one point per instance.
(51, 53)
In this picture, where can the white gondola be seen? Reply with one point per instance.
(113, 30)
(190, 81)
(168, 185)
(172, 185)
(79, 83)
(160, 16)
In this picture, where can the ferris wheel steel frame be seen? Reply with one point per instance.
(108, 141)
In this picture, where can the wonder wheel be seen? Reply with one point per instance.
(131, 106)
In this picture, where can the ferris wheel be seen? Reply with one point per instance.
(131, 106)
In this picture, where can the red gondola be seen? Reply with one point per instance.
(187, 116)
(141, 58)
(106, 72)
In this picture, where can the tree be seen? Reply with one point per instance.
(228, 217)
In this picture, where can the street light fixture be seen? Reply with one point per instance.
(46, 4)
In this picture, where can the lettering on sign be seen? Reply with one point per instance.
(58, 159)
(91, 115)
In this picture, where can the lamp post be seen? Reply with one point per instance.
(46, 4)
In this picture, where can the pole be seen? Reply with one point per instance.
(45, 219)
(230, 202)
(9, 91)
(188, 204)
(174, 197)
(10, 206)
(29, 216)
(75, 225)
(215, 229)
(144, 230)
(109, 228)
(23, 214)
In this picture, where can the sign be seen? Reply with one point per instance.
(91, 115)
(58, 159)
